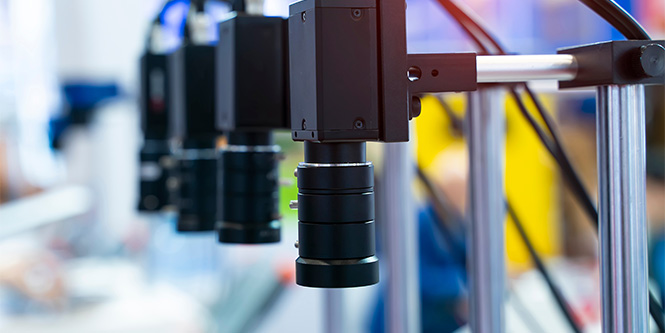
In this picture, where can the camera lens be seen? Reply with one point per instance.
(249, 189)
(336, 236)
(196, 192)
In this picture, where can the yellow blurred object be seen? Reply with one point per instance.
(531, 186)
(531, 175)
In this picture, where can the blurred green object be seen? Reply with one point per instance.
(293, 154)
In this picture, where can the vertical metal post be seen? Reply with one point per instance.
(622, 207)
(401, 248)
(334, 310)
(486, 254)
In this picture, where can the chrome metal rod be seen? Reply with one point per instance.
(334, 319)
(622, 208)
(486, 254)
(520, 68)
(403, 293)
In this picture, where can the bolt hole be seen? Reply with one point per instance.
(435, 73)
(414, 73)
(312, 134)
(296, 134)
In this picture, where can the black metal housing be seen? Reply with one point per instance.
(252, 74)
(334, 57)
(192, 92)
(447, 72)
(617, 62)
(336, 237)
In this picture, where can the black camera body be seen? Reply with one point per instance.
(252, 102)
(155, 155)
(194, 136)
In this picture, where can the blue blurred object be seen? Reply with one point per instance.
(657, 268)
(88, 95)
(82, 99)
(442, 279)
(174, 16)
(523, 26)
(170, 5)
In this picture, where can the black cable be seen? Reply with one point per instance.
(558, 296)
(557, 152)
(535, 257)
(456, 122)
(616, 16)
(570, 175)
(657, 312)
(460, 16)
(198, 5)
(238, 5)
(555, 149)
(438, 201)
(446, 213)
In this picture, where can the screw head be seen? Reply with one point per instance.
(356, 13)
(359, 124)
(295, 172)
(296, 244)
(303, 16)
(150, 202)
(293, 204)
(652, 59)
(304, 124)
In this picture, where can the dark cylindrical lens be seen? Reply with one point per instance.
(155, 159)
(196, 192)
(249, 189)
(336, 237)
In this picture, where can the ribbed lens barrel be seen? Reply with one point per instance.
(154, 195)
(197, 187)
(249, 189)
(336, 237)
